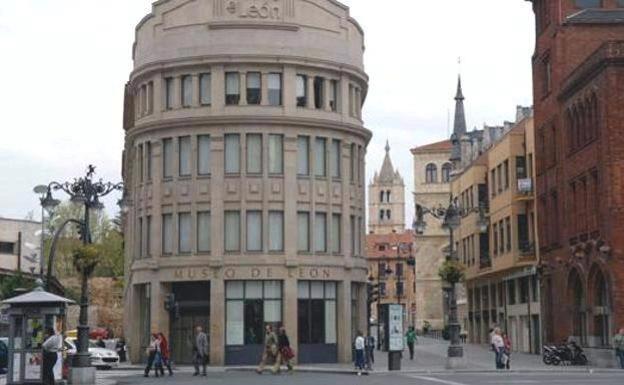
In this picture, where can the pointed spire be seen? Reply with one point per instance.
(387, 146)
(460, 93)
(459, 126)
(386, 174)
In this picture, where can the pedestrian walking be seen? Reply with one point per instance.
(359, 352)
(270, 351)
(498, 345)
(120, 347)
(506, 351)
(165, 355)
(285, 353)
(369, 346)
(200, 351)
(618, 344)
(411, 340)
(153, 356)
(51, 347)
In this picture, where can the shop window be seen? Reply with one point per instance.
(167, 234)
(276, 231)
(232, 231)
(335, 159)
(232, 154)
(184, 153)
(302, 90)
(250, 306)
(275, 89)
(303, 156)
(187, 91)
(431, 173)
(254, 231)
(254, 87)
(203, 154)
(333, 95)
(169, 93)
(232, 88)
(254, 153)
(276, 154)
(205, 89)
(317, 322)
(336, 233)
(319, 96)
(320, 156)
(303, 231)
(203, 231)
(320, 233)
(167, 158)
(184, 233)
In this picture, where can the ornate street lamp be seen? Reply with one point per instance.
(451, 217)
(87, 192)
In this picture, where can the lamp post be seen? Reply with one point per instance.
(386, 271)
(451, 217)
(87, 192)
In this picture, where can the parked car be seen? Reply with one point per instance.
(100, 358)
(4, 354)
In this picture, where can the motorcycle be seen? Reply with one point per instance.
(550, 355)
(564, 354)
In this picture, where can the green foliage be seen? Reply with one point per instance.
(85, 258)
(8, 284)
(452, 271)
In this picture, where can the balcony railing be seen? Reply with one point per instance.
(527, 248)
(485, 262)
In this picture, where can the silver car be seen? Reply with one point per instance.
(101, 358)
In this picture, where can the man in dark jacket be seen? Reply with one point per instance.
(200, 351)
(285, 353)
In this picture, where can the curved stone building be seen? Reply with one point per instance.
(244, 159)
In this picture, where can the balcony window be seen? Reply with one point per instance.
(205, 89)
(303, 156)
(335, 159)
(302, 90)
(167, 158)
(232, 154)
(169, 93)
(276, 154)
(303, 231)
(184, 153)
(320, 233)
(254, 230)
(232, 88)
(203, 231)
(318, 92)
(187, 91)
(320, 156)
(333, 95)
(232, 231)
(254, 87)
(203, 154)
(275, 89)
(184, 233)
(254, 153)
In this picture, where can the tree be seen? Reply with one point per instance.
(8, 284)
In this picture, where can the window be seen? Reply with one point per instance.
(150, 97)
(334, 159)
(493, 182)
(511, 285)
(316, 312)
(495, 237)
(254, 86)
(276, 154)
(523, 232)
(187, 91)
(382, 289)
(524, 289)
(203, 231)
(276, 231)
(506, 174)
(388, 214)
(203, 154)
(254, 153)
(431, 173)
(275, 89)
(184, 153)
(205, 89)
(388, 193)
(353, 235)
(400, 288)
(232, 231)
(588, 3)
(352, 159)
(546, 76)
(446, 173)
(250, 306)
(184, 233)
(302, 90)
(320, 233)
(333, 95)
(501, 242)
(168, 158)
(303, 231)
(169, 93)
(336, 233)
(254, 230)
(148, 235)
(167, 234)
(320, 167)
(318, 92)
(303, 155)
(232, 88)
(140, 167)
(232, 153)
(508, 227)
(381, 215)
(4, 245)
(381, 196)
(148, 155)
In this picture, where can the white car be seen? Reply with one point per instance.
(101, 358)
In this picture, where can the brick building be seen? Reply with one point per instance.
(578, 70)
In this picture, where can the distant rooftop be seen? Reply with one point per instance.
(444, 145)
(2, 219)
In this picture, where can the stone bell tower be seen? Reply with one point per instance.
(386, 199)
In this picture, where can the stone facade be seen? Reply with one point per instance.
(386, 200)
(430, 247)
(244, 158)
(578, 82)
(20, 246)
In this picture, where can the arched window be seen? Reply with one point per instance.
(576, 298)
(595, 121)
(388, 196)
(446, 173)
(600, 299)
(381, 215)
(381, 196)
(431, 173)
(388, 214)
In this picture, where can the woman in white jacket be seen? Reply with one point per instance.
(498, 344)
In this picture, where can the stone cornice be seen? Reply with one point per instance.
(219, 121)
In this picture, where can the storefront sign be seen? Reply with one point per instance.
(232, 273)
(395, 328)
(253, 9)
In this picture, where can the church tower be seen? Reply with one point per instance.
(386, 199)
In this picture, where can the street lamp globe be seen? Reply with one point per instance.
(48, 202)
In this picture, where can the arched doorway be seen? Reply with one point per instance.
(576, 298)
(601, 307)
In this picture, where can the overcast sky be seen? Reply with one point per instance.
(65, 62)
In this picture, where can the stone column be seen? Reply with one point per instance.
(195, 102)
(310, 85)
(264, 93)
(243, 89)
(343, 317)
(156, 307)
(289, 85)
(218, 88)
(326, 92)
(217, 320)
(290, 321)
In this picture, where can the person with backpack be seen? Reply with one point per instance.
(411, 340)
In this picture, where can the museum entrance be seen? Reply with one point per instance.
(193, 309)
